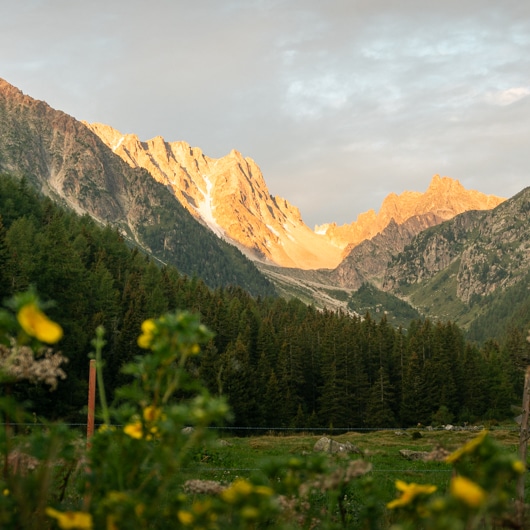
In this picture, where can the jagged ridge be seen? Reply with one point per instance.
(230, 196)
(491, 251)
(63, 159)
(444, 198)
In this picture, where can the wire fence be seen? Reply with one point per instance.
(205, 470)
(323, 430)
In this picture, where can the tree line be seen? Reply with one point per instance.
(280, 363)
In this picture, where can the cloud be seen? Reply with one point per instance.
(508, 96)
(339, 102)
(313, 97)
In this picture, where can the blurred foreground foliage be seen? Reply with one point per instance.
(130, 474)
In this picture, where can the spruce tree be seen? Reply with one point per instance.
(379, 407)
(414, 408)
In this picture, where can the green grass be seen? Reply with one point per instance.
(244, 457)
(437, 299)
(232, 457)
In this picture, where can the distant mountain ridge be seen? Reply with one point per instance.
(447, 252)
(472, 269)
(229, 194)
(488, 251)
(444, 198)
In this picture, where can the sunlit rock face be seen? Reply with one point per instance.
(230, 196)
(444, 198)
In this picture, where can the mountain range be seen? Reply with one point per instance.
(442, 250)
(230, 196)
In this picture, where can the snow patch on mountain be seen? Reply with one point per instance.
(205, 208)
(273, 230)
(118, 143)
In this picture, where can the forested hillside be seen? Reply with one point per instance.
(280, 363)
(502, 314)
(65, 161)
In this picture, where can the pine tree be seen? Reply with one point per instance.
(474, 392)
(104, 300)
(274, 412)
(156, 303)
(210, 368)
(379, 407)
(21, 244)
(290, 374)
(237, 384)
(5, 290)
(414, 408)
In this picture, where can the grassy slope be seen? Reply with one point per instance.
(436, 297)
(245, 456)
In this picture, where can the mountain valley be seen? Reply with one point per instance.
(441, 252)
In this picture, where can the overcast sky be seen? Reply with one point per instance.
(340, 102)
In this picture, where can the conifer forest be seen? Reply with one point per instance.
(280, 363)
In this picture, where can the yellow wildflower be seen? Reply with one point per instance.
(409, 493)
(152, 413)
(154, 433)
(249, 512)
(467, 491)
(198, 413)
(195, 349)
(106, 428)
(186, 518)
(519, 467)
(238, 490)
(36, 324)
(200, 507)
(468, 448)
(71, 520)
(6, 492)
(438, 505)
(146, 338)
(117, 497)
(264, 490)
(134, 430)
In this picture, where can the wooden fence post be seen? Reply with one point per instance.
(523, 440)
(91, 401)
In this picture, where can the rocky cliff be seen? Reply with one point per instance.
(486, 251)
(230, 196)
(444, 198)
(367, 261)
(65, 160)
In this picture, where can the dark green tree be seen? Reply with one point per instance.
(379, 411)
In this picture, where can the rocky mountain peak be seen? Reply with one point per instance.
(230, 196)
(444, 198)
(438, 183)
(10, 91)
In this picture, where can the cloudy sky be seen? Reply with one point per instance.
(339, 102)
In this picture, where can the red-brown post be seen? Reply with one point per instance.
(91, 400)
(524, 435)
